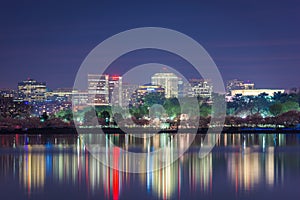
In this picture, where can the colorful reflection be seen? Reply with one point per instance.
(250, 170)
(34, 162)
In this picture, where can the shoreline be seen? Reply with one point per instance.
(73, 131)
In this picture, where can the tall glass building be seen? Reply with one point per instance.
(169, 81)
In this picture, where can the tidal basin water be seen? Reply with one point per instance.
(241, 166)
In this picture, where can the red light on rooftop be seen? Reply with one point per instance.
(115, 78)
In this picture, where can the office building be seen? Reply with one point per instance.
(30, 90)
(115, 90)
(201, 88)
(127, 91)
(168, 81)
(142, 91)
(236, 84)
(98, 89)
(104, 89)
(256, 92)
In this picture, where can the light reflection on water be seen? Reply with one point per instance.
(239, 166)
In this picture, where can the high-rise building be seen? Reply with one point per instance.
(127, 91)
(98, 89)
(30, 90)
(169, 81)
(104, 89)
(115, 90)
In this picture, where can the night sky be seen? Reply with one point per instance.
(249, 40)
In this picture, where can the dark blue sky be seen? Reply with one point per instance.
(48, 40)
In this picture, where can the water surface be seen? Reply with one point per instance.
(250, 166)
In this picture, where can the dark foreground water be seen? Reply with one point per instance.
(256, 166)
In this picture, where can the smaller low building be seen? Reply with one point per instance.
(142, 91)
(203, 89)
(149, 88)
(256, 92)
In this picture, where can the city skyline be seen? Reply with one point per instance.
(150, 99)
(258, 42)
(192, 84)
